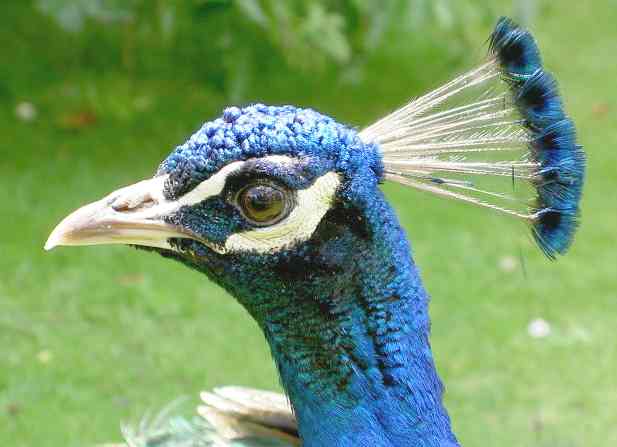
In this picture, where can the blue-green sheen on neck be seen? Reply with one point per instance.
(385, 390)
(346, 317)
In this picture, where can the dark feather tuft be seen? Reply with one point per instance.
(561, 175)
(538, 100)
(554, 230)
(515, 48)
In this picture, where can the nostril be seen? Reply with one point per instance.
(138, 197)
(132, 204)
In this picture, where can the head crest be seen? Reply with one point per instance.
(477, 137)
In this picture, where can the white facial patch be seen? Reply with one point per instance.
(211, 187)
(312, 204)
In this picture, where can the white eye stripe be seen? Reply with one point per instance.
(214, 185)
(210, 187)
(312, 204)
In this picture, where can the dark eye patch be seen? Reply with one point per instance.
(214, 218)
(293, 176)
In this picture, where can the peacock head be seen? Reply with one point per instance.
(246, 194)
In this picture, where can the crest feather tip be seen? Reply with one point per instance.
(449, 141)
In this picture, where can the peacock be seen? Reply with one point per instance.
(282, 207)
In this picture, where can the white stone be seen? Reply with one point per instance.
(26, 111)
(539, 328)
(508, 264)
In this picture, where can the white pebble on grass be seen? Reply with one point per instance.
(45, 356)
(508, 264)
(539, 328)
(26, 111)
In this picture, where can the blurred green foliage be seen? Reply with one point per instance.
(231, 44)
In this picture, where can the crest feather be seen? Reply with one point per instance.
(497, 137)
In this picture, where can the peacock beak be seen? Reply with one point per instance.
(133, 215)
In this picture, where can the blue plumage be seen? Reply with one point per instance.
(259, 130)
(553, 145)
(538, 100)
(515, 48)
(281, 206)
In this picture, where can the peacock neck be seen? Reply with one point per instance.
(348, 327)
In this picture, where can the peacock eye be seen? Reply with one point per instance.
(264, 204)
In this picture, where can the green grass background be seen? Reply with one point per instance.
(90, 337)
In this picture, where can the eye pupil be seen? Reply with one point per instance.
(262, 203)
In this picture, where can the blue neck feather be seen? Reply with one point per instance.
(385, 390)
(346, 317)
